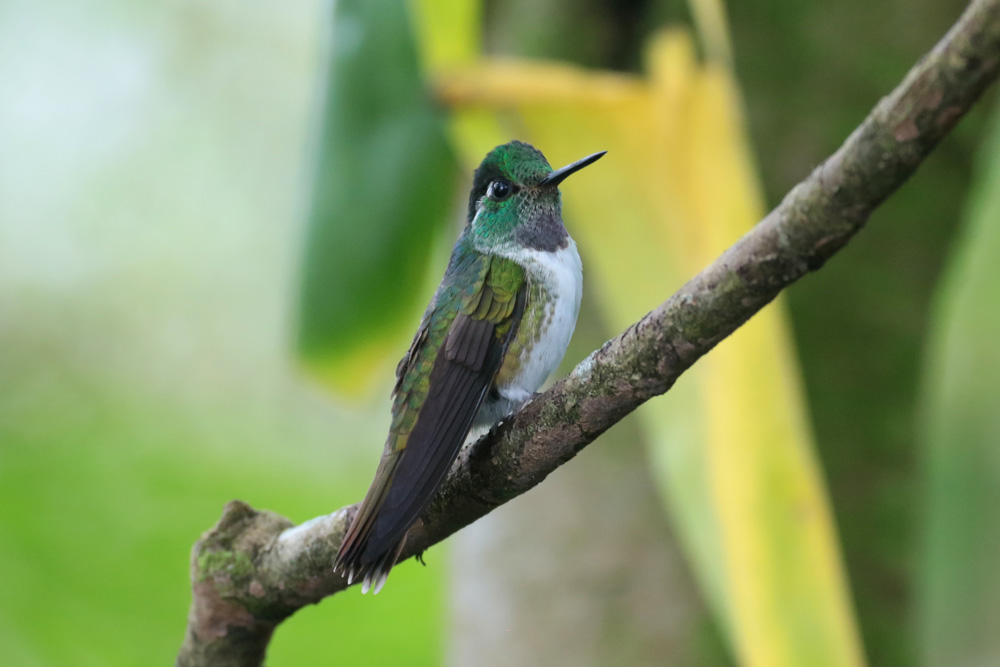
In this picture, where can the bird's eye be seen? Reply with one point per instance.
(499, 190)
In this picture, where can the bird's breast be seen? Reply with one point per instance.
(555, 282)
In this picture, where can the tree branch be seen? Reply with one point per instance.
(253, 569)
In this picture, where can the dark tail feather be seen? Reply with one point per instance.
(355, 560)
(354, 563)
(378, 571)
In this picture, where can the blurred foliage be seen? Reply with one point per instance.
(151, 177)
(383, 187)
(810, 73)
(959, 586)
(152, 158)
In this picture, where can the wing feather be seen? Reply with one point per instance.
(456, 393)
(436, 401)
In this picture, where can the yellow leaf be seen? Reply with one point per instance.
(447, 32)
(731, 441)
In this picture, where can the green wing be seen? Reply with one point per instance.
(441, 384)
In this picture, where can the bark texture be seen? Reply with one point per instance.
(253, 569)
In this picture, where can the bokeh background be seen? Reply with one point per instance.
(170, 223)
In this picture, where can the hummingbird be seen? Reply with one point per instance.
(497, 326)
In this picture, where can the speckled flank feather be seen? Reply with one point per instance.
(555, 287)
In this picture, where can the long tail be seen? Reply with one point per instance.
(356, 558)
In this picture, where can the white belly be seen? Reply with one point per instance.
(556, 280)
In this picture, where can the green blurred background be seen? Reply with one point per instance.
(155, 171)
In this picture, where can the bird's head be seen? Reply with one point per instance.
(514, 201)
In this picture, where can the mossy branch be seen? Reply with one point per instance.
(254, 569)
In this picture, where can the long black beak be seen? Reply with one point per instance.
(559, 175)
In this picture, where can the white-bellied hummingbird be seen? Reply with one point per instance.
(497, 327)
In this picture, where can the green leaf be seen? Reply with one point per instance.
(384, 179)
(959, 582)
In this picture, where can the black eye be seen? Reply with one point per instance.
(499, 190)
